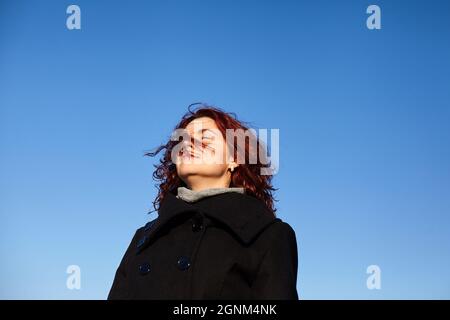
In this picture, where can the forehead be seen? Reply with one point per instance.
(200, 124)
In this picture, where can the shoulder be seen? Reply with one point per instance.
(280, 228)
(142, 231)
(278, 236)
(145, 227)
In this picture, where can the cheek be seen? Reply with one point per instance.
(216, 152)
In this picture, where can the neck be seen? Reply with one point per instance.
(202, 183)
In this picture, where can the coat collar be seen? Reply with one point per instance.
(243, 214)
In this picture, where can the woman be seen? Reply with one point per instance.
(216, 235)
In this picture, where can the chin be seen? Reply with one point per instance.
(192, 171)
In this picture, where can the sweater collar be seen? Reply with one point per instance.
(244, 215)
(189, 195)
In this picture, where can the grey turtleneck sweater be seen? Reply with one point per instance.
(189, 195)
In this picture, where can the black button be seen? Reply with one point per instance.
(144, 268)
(141, 242)
(197, 223)
(183, 263)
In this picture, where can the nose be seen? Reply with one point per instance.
(192, 148)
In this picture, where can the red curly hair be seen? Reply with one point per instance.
(245, 175)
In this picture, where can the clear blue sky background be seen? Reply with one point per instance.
(363, 116)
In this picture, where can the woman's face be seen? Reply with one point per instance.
(203, 163)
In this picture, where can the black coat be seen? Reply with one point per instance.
(226, 246)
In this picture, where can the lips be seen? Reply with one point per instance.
(194, 155)
(190, 155)
(192, 152)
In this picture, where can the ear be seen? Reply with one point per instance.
(233, 165)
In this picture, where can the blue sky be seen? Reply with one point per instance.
(364, 133)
